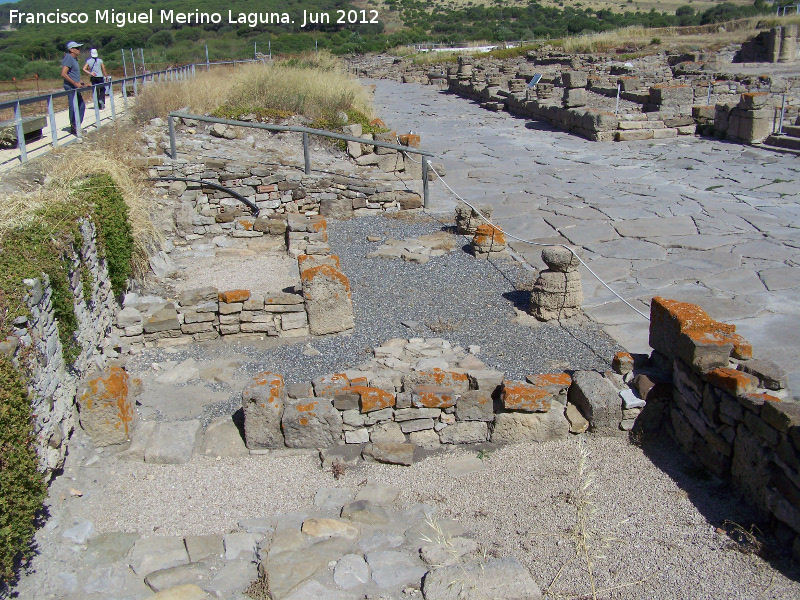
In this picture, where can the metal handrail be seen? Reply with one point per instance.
(305, 131)
(165, 75)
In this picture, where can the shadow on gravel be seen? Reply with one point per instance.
(721, 505)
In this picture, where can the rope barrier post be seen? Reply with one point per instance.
(783, 114)
(173, 151)
(52, 116)
(23, 152)
(619, 89)
(425, 203)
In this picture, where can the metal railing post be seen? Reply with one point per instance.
(51, 115)
(111, 99)
(425, 182)
(783, 114)
(619, 90)
(306, 153)
(173, 151)
(135, 89)
(23, 151)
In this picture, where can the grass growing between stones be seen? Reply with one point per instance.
(23, 487)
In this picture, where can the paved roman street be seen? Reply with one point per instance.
(692, 219)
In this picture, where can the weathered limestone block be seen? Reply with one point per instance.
(328, 300)
(262, 402)
(672, 95)
(514, 427)
(475, 405)
(598, 400)
(573, 98)
(311, 423)
(106, 409)
(488, 241)
(557, 292)
(465, 432)
(467, 220)
(164, 318)
(433, 396)
(496, 578)
(685, 331)
(524, 397)
(574, 79)
(396, 453)
(458, 382)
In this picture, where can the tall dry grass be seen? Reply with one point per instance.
(110, 151)
(313, 85)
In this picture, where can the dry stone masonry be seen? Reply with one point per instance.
(557, 292)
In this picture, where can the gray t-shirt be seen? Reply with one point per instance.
(74, 72)
(95, 66)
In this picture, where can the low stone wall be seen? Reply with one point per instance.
(728, 411)
(750, 121)
(35, 344)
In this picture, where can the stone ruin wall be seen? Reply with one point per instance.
(674, 94)
(34, 342)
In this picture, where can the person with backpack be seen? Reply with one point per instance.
(95, 68)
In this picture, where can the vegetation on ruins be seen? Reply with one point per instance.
(312, 85)
(37, 49)
(23, 486)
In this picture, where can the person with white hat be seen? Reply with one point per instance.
(95, 68)
(71, 74)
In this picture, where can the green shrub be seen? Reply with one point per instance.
(23, 487)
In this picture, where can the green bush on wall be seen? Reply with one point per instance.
(23, 487)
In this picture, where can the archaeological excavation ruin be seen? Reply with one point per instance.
(282, 367)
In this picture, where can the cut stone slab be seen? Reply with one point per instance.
(351, 571)
(311, 423)
(530, 427)
(496, 578)
(647, 228)
(287, 570)
(173, 443)
(465, 432)
(381, 494)
(233, 578)
(157, 553)
(394, 453)
(391, 568)
(464, 465)
(263, 403)
(223, 438)
(239, 546)
(197, 573)
(106, 407)
(590, 233)
(630, 249)
(108, 548)
(783, 278)
(204, 546)
(333, 498)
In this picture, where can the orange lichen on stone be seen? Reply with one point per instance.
(434, 396)
(550, 381)
(232, 296)
(326, 271)
(524, 397)
(317, 224)
(622, 361)
(331, 384)
(378, 123)
(317, 258)
(736, 383)
(742, 349)
(688, 317)
(247, 224)
(409, 139)
(759, 399)
(307, 407)
(112, 390)
(486, 235)
(372, 398)
(303, 421)
(359, 381)
(451, 379)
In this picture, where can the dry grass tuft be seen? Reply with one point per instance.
(315, 86)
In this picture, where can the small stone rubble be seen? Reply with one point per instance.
(416, 250)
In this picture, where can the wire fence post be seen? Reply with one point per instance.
(23, 151)
(51, 115)
(619, 90)
(783, 114)
(173, 151)
(306, 153)
(96, 107)
(708, 98)
(208, 66)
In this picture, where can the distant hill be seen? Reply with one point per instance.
(364, 25)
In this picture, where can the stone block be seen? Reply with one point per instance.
(770, 375)
(328, 385)
(475, 405)
(458, 382)
(106, 409)
(750, 466)
(263, 402)
(395, 453)
(598, 401)
(573, 98)
(662, 134)
(416, 425)
(340, 208)
(634, 135)
(465, 432)
(433, 396)
(519, 396)
(173, 443)
(328, 300)
(163, 319)
(736, 383)
(516, 427)
(387, 432)
(371, 398)
(781, 415)
(155, 553)
(311, 423)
